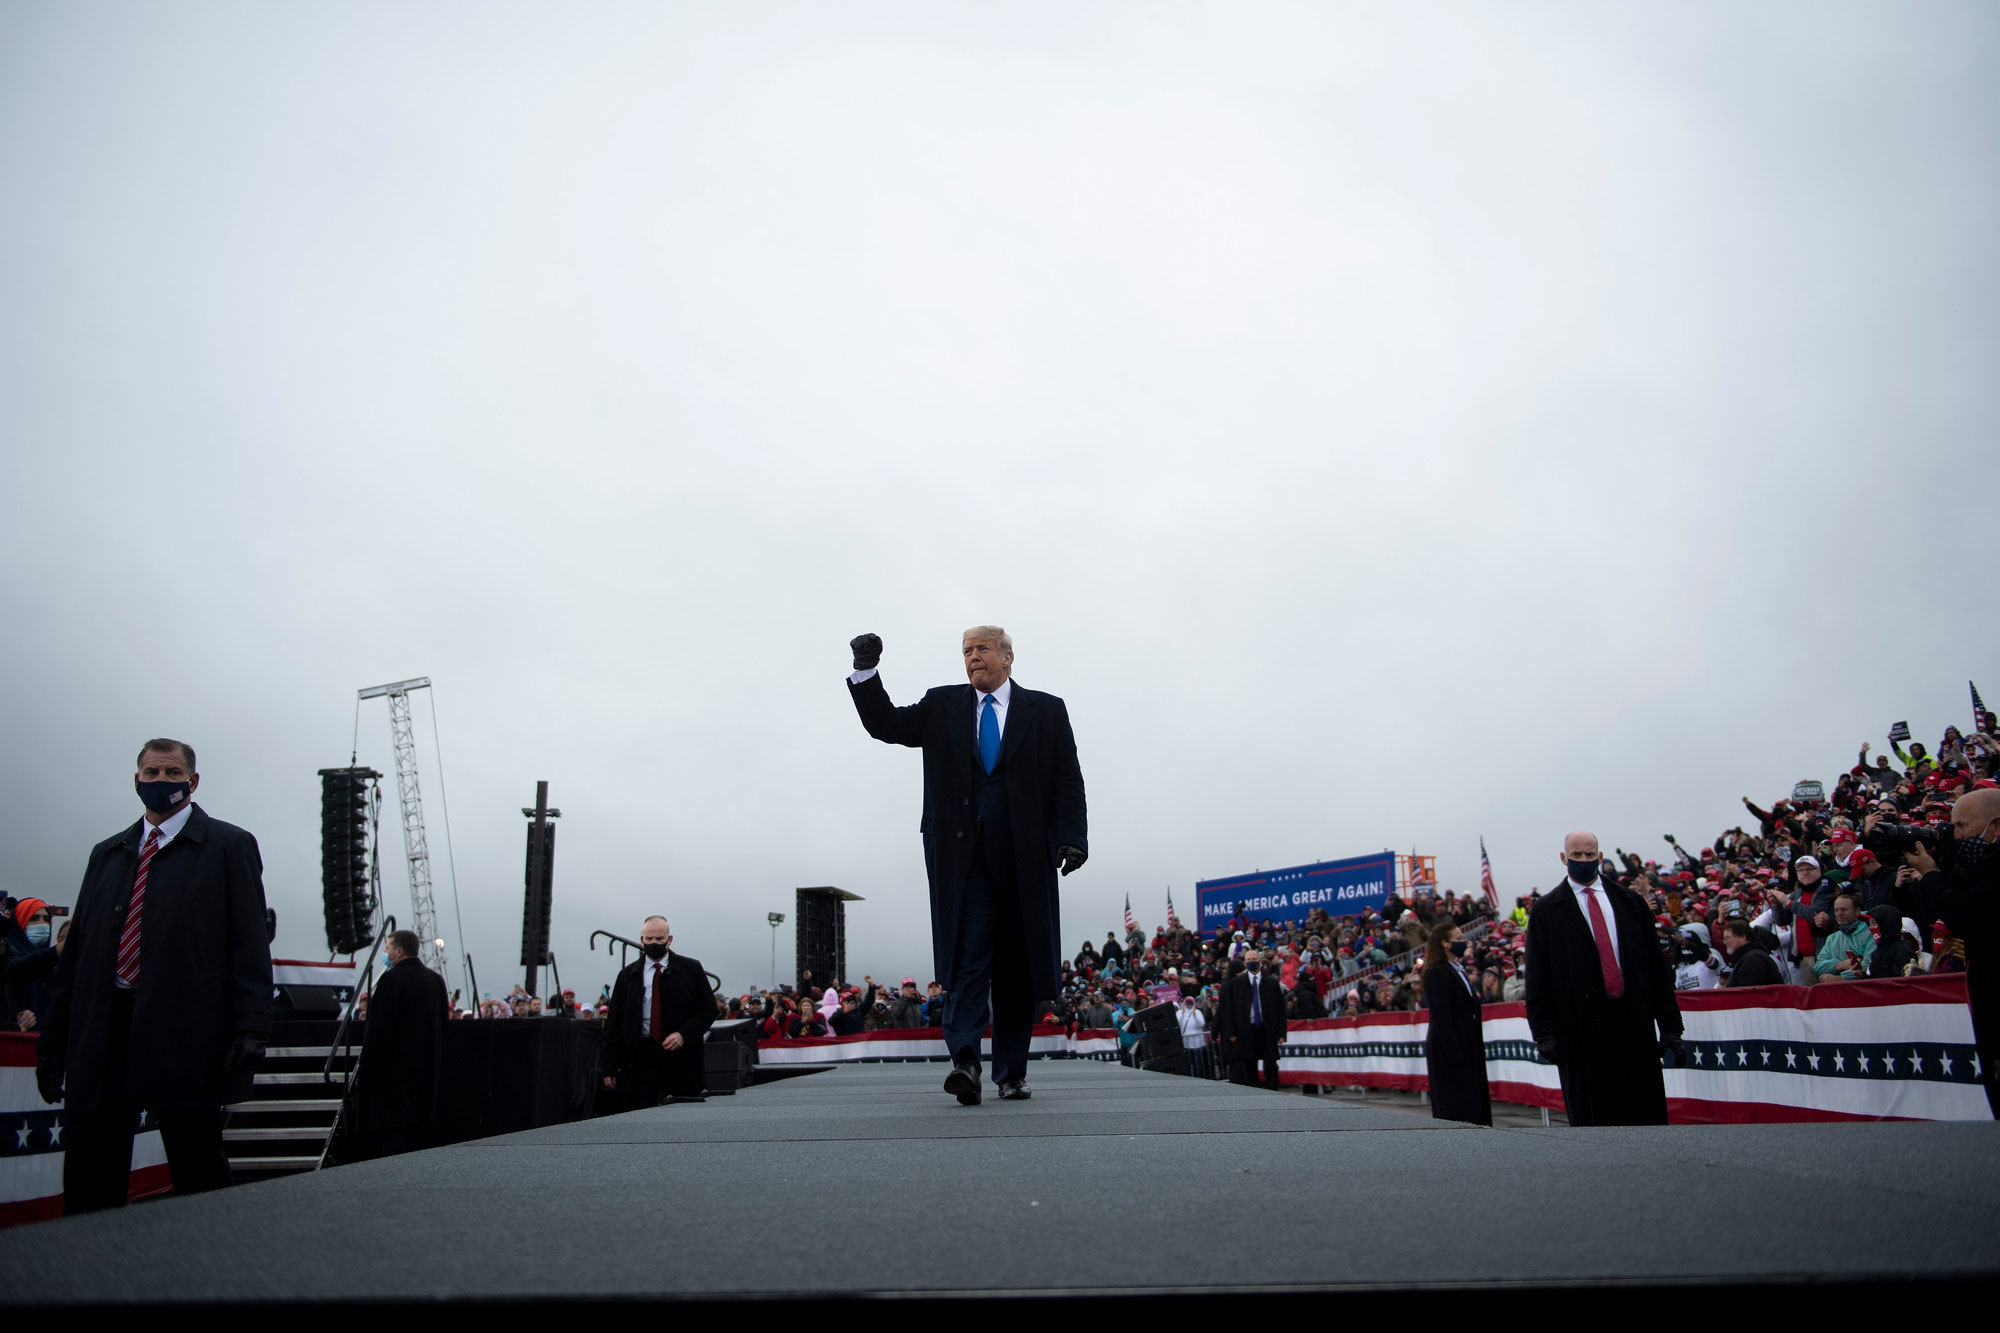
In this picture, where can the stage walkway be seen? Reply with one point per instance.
(868, 1179)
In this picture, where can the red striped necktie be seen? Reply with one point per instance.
(128, 938)
(1607, 960)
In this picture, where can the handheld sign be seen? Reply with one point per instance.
(1899, 731)
(1808, 790)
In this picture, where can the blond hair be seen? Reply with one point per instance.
(992, 633)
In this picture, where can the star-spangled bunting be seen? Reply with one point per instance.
(1873, 1062)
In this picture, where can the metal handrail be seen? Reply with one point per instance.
(714, 982)
(354, 1000)
(615, 938)
(353, 1078)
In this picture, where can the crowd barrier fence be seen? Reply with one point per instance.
(1893, 1049)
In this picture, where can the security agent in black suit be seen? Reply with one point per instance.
(1250, 1022)
(402, 1053)
(1604, 1019)
(1003, 810)
(1455, 1040)
(170, 1016)
(1966, 897)
(661, 1008)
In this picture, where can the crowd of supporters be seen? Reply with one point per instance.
(1804, 891)
(1801, 893)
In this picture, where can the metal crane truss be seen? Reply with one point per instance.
(415, 847)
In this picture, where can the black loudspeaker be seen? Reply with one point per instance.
(538, 904)
(821, 922)
(343, 858)
(725, 1065)
(741, 1031)
(1160, 1039)
(311, 1001)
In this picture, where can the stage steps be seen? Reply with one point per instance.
(284, 1126)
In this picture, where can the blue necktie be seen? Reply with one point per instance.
(989, 735)
(1256, 1002)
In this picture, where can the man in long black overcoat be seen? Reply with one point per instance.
(1603, 1018)
(645, 1060)
(1248, 1027)
(402, 1052)
(1967, 899)
(172, 1020)
(1004, 812)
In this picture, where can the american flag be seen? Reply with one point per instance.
(1172, 920)
(1486, 876)
(1131, 923)
(1981, 719)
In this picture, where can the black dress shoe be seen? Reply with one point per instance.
(963, 1083)
(1015, 1090)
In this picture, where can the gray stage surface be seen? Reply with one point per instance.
(1109, 1179)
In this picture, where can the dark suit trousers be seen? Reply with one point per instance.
(654, 1073)
(991, 975)
(1244, 1071)
(97, 1145)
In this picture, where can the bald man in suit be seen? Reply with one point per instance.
(1600, 996)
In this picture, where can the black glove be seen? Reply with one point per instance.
(1072, 858)
(1671, 1046)
(49, 1078)
(1550, 1051)
(245, 1052)
(867, 651)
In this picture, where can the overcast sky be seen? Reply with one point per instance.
(1384, 425)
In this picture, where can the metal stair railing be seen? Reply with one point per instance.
(349, 1076)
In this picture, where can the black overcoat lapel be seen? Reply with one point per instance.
(1021, 706)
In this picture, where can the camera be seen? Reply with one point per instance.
(1900, 839)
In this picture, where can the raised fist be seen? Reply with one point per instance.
(867, 650)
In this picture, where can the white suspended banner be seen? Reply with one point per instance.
(1896, 1049)
(293, 972)
(31, 1142)
(903, 1045)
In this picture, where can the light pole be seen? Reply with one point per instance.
(776, 919)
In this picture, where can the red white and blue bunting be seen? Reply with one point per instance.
(1896, 1049)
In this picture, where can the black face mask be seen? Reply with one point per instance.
(1972, 853)
(162, 798)
(1458, 948)
(1583, 872)
(1253, 966)
(655, 951)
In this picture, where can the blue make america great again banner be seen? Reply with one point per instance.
(1343, 888)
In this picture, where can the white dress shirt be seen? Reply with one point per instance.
(169, 828)
(646, 993)
(1001, 698)
(1583, 893)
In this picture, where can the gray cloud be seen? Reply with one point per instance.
(1382, 426)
